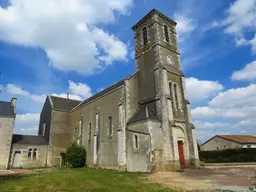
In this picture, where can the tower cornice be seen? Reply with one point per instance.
(149, 15)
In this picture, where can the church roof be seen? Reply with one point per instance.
(243, 139)
(29, 139)
(63, 103)
(112, 87)
(143, 114)
(6, 109)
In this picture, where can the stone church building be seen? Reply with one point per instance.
(141, 123)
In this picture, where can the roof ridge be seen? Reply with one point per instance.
(64, 98)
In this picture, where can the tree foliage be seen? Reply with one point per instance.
(75, 155)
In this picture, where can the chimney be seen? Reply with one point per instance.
(67, 95)
(13, 103)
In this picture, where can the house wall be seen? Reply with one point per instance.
(59, 136)
(25, 162)
(218, 143)
(6, 131)
(137, 159)
(106, 105)
(45, 117)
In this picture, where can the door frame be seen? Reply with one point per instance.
(14, 155)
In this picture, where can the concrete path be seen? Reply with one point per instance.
(16, 172)
(226, 178)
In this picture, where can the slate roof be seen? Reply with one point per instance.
(64, 103)
(243, 139)
(6, 109)
(112, 87)
(142, 114)
(29, 139)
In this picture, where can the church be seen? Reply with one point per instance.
(140, 124)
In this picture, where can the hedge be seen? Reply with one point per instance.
(228, 156)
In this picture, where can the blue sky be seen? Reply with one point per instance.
(81, 47)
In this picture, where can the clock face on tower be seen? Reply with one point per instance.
(170, 60)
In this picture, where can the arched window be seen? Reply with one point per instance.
(145, 35)
(110, 126)
(176, 96)
(136, 142)
(166, 33)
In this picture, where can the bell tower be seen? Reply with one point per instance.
(162, 86)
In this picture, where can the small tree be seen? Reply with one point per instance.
(75, 155)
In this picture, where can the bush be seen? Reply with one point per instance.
(228, 156)
(75, 155)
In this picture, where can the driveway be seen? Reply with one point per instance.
(232, 178)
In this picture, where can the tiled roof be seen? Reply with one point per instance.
(142, 114)
(112, 87)
(29, 139)
(6, 109)
(243, 139)
(64, 103)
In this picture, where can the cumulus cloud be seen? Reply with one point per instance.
(27, 123)
(202, 124)
(247, 73)
(67, 31)
(200, 90)
(184, 26)
(81, 89)
(241, 18)
(15, 90)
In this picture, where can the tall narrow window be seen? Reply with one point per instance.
(136, 142)
(166, 33)
(145, 35)
(34, 153)
(75, 134)
(171, 92)
(97, 123)
(121, 115)
(80, 131)
(89, 132)
(43, 130)
(176, 96)
(110, 126)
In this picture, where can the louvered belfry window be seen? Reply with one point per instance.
(166, 33)
(145, 35)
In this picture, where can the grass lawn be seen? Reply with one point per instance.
(81, 180)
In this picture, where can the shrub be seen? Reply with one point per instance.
(228, 156)
(75, 155)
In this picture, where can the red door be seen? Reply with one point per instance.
(181, 153)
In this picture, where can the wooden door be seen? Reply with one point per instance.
(16, 160)
(181, 153)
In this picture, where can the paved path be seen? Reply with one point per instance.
(16, 172)
(233, 178)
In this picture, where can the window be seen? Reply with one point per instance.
(225, 146)
(80, 131)
(97, 123)
(217, 148)
(75, 134)
(145, 35)
(166, 33)
(176, 96)
(110, 126)
(34, 153)
(43, 130)
(171, 92)
(136, 142)
(121, 115)
(89, 132)
(249, 146)
(29, 153)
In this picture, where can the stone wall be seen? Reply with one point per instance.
(6, 131)
(29, 162)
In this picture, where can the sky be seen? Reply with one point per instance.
(83, 46)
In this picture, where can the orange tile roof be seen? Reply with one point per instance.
(246, 139)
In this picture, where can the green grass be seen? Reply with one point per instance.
(81, 180)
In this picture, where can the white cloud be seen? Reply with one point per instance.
(184, 26)
(202, 124)
(247, 73)
(81, 89)
(199, 90)
(28, 118)
(239, 97)
(67, 31)
(241, 18)
(15, 90)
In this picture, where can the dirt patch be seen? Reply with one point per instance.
(226, 178)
